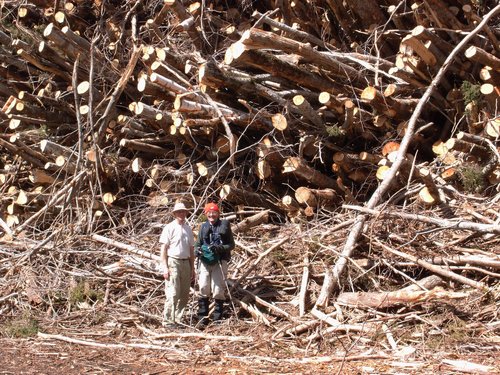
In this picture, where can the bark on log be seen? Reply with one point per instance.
(393, 108)
(186, 21)
(299, 168)
(440, 12)
(14, 150)
(236, 195)
(258, 39)
(279, 68)
(480, 56)
(314, 197)
(369, 13)
(144, 147)
(307, 110)
(250, 222)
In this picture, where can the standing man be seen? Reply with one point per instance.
(213, 247)
(177, 264)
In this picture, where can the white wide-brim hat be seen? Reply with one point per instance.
(179, 207)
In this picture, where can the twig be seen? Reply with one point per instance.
(111, 346)
(433, 268)
(254, 311)
(138, 311)
(337, 227)
(289, 30)
(257, 261)
(303, 286)
(123, 246)
(326, 359)
(442, 223)
(39, 246)
(5, 298)
(202, 336)
(270, 306)
(5, 227)
(74, 82)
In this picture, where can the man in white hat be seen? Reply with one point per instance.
(177, 264)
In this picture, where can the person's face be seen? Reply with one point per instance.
(212, 216)
(180, 216)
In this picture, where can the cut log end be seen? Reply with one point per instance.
(108, 198)
(426, 197)
(279, 122)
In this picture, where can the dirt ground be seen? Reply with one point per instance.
(197, 355)
(40, 357)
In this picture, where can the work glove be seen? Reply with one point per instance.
(218, 249)
(197, 252)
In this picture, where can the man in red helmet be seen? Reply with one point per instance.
(213, 246)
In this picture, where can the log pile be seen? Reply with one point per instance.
(292, 111)
(293, 103)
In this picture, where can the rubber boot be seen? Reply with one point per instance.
(203, 310)
(218, 309)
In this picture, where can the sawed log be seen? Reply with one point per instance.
(313, 197)
(299, 168)
(480, 56)
(236, 195)
(380, 300)
(250, 222)
(258, 39)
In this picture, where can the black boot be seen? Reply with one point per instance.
(203, 310)
(218, 309)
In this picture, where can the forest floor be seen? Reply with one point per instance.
(212, 351)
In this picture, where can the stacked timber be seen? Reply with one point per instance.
(237, 98)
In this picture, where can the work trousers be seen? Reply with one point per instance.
(211, 280)
(176, 289)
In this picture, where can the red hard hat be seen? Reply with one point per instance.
(211, 207)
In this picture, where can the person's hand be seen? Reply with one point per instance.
(197, 252)
(218, 249)
(166, 275)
